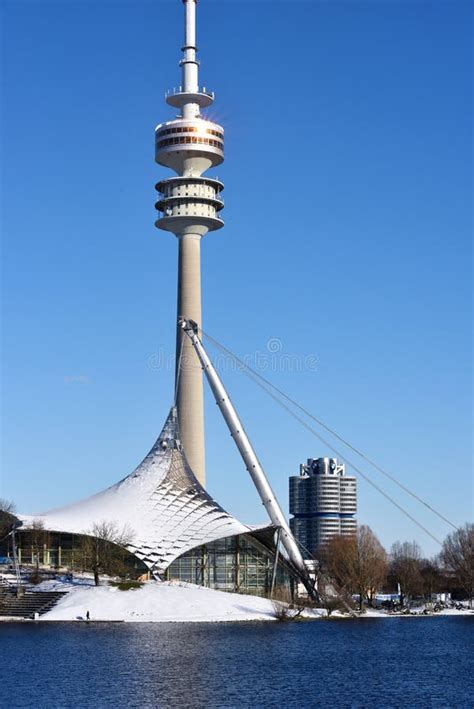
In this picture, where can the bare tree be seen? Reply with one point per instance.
(405, 567)
(433, 578)
(285, 606)
(7, 506)
(333, 597)
(334, 603)
(283, 611)
(7, 517)
(38, 537)
(372, 562)
(357, 563)
(104, 549)
(458, 556)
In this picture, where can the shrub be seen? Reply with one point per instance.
(126, 585)
(35, 577)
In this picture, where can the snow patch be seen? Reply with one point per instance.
(159, 603)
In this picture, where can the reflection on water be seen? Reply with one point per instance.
(395, 662)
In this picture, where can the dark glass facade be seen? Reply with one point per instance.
(241, 564)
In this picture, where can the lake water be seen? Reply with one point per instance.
(394, 662)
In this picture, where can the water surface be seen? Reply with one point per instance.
(393, 662)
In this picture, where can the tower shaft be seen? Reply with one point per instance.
(190, 397)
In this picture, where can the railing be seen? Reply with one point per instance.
(180, 90)
(162, 213)
(215, 198)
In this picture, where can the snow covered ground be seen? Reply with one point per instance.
(178, 602)
(170, 602)
(161, 603)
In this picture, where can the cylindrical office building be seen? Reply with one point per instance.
(323, 502)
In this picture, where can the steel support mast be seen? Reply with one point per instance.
(249, 457)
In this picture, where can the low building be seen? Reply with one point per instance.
(323, 502)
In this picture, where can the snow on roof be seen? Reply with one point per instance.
(161, 502)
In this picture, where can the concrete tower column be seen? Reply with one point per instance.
(190, 396)
(189, 206)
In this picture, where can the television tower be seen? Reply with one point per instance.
(189, 207)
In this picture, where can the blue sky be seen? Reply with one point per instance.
(347, 241)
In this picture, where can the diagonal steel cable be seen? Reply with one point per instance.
(267, 386)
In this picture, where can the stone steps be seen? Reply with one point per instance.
(27, 605)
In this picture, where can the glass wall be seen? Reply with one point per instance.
(241, 564)
(62, 550)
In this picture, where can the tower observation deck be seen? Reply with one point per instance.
(189, 206)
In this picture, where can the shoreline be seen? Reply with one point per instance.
(171, 602)
(308, 616)
(304, 619)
